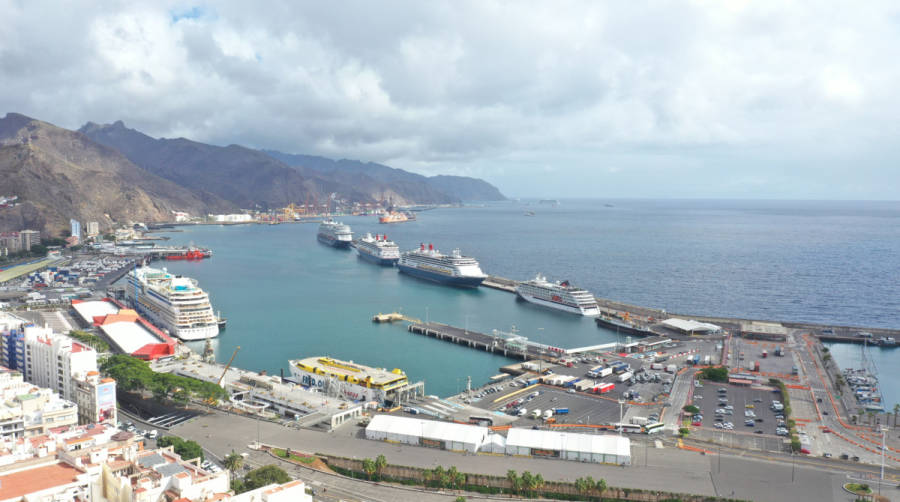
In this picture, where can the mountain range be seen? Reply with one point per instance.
(112, 174)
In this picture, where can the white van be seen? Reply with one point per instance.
(522, 412)
(536, 413)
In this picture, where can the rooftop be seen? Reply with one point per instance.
(33, 480)
(350, 369)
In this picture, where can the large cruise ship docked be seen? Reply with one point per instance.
(173, 303)
(378, 250)
(453, 269)
(352, 380)
(558, 295)
(335, 234)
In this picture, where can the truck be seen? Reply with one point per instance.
(765, 354)
(671, 368)
(795, 371)
(756, 366)
(707, 360)
(696, 359)
(624, 377)
(548, 414)
(779, 352)
(656, 366)
(603, 388)
(639, 420)
(605, 372)
(561, 411)
(618, 370)
(536, 413)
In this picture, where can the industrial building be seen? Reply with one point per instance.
(428, 433)
(691, 326)
(601, 449)
(127, 331)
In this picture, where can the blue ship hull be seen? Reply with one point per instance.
(333, 242)
(461, 282)
(384, 262)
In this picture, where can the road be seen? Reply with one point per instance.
(752, 477)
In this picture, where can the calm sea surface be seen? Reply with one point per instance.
(287, 296)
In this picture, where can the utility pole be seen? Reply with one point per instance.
(792, 466)
(883, 447)
(621, 409)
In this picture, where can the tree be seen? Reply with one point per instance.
(684, 431)
(527, 481)
(369, 468)
(691, 409)
(460, 499)
(187, 450)
(601, 485)
(265, 475)
(715, 373)
(514, 481)
(380, 464)
(537, 482)
(457, 479)
(233, 462)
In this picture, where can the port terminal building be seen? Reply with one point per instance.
(691, 327)
(599, 448)
(128, 332)
(354, 381)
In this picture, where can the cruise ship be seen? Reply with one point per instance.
(558, 295)
(173, 303)
(351, 380)
(453, 269)
(335, 234)
(378, 250)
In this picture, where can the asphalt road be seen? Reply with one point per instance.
(753, 477)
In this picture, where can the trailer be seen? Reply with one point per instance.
(561, 411)
(624, 377)
(605, 372)
(639, 420)
(656, 366)
(585, 385)
(671, 368)
(603, 388)
(765, 354)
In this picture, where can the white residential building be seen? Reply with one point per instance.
(93, 228)
(56, 361)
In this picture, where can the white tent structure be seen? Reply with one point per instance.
(691, 326)
(606, 449)
(430, 433)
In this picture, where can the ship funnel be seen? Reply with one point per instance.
(422, 247)
(431, 247)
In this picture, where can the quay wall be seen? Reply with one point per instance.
(842, 333)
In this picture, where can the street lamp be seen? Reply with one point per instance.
(883, 447)
(621, 408)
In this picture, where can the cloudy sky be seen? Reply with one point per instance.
(721, 99)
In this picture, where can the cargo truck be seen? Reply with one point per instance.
(765, 354)
(624, 377)
(639, 420)
(536, 413)
(671, 368)
(548, 414)
(603, 388)
(605, 372)
(656, 366)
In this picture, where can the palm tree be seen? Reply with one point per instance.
(380, 464)
(601, 485)
(233, 462)
(538, 482)
(514, 480)
(368, 466)
(527, 481)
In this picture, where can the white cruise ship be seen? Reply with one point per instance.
(173, 303)
(558, 295)
(453, 269)
(378, 250)
(335, 234)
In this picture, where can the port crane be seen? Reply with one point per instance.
(219, 383)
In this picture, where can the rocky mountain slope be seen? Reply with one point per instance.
(397, 183)
(60, 174)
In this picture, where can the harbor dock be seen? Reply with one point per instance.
(505, 344)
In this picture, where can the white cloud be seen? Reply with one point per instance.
(704, 95)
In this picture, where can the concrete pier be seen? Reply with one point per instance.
(488, 343)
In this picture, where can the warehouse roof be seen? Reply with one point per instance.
(430, 429)
(88, 310)
(690, 325)
(568, 441)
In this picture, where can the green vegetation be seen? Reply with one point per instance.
(684, 431)
(858, 488)
(186, 449)
(257, 478)
(691, 409)
(90, 339)
(233, 462)
(132, 374)
(715, 374)
(786, 401)
(585, 485)
(290, 455)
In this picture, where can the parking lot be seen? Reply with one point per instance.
(748, 410)
(744, 353)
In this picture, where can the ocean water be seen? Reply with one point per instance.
(884, 361)
(286, 295)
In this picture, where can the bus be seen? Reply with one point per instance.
(654, 428)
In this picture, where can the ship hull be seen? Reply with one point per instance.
(630, 330)
(558, 306)
(384, 262)
(460, 282)
(331, 241)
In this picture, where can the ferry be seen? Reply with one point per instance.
(172, 302)
(453, 269)
(558, 295)
(378, 250)
(395, 217)
(335, 234)
(348, 379)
